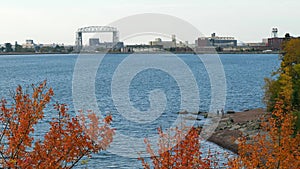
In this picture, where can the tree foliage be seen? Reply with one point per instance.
(66, 142)
(286, 83)
(274, 147)
(277, 145)
(178, 151)
(8, 47)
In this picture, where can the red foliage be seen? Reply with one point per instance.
(181, 151)
(67, 141)
(275, 146)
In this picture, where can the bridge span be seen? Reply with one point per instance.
(95, 29)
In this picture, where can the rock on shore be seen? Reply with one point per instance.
(234, 125)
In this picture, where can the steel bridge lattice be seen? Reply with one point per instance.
(95, 29)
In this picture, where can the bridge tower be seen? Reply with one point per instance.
(95, 29)
(78, 42)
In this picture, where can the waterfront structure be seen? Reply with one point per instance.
(111, 45)
(223, 41)
(215, 44)
(29, 44)
(216, 41)
(164, 44)
(203, 42)
(96, 29)
(96, 45)
(265, 41)
(143, 48)
(183, 44)
(275, 42)
(258, 46)
(94, 42)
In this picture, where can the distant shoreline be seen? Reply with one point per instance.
(32, 53)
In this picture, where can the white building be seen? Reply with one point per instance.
(29, 44)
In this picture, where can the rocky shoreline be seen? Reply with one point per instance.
(231, 126)
(236, 124)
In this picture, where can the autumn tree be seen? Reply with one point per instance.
(285, 85)
(277, 145)
(63, 146)
(180, 150)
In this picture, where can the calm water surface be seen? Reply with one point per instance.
(244, 79)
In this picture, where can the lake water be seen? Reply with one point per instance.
(244, 89)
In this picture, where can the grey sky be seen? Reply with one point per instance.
(56, 21)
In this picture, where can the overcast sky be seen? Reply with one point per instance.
(56, 21)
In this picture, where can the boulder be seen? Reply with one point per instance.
(230, 112)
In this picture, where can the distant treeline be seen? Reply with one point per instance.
(8, 48)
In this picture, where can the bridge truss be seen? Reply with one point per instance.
(95, 29)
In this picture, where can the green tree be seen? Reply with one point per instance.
(18, 48)
(8, 47)
(277, 144)
(59, 49)
(285, 84)
(70, 50)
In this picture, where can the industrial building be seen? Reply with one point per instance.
(223, 41)
(142, 48)
(96, 45)
(203, 42)
(28, 44)
(94, 42)
(216, 41)
(164, 44)
(275, 43)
